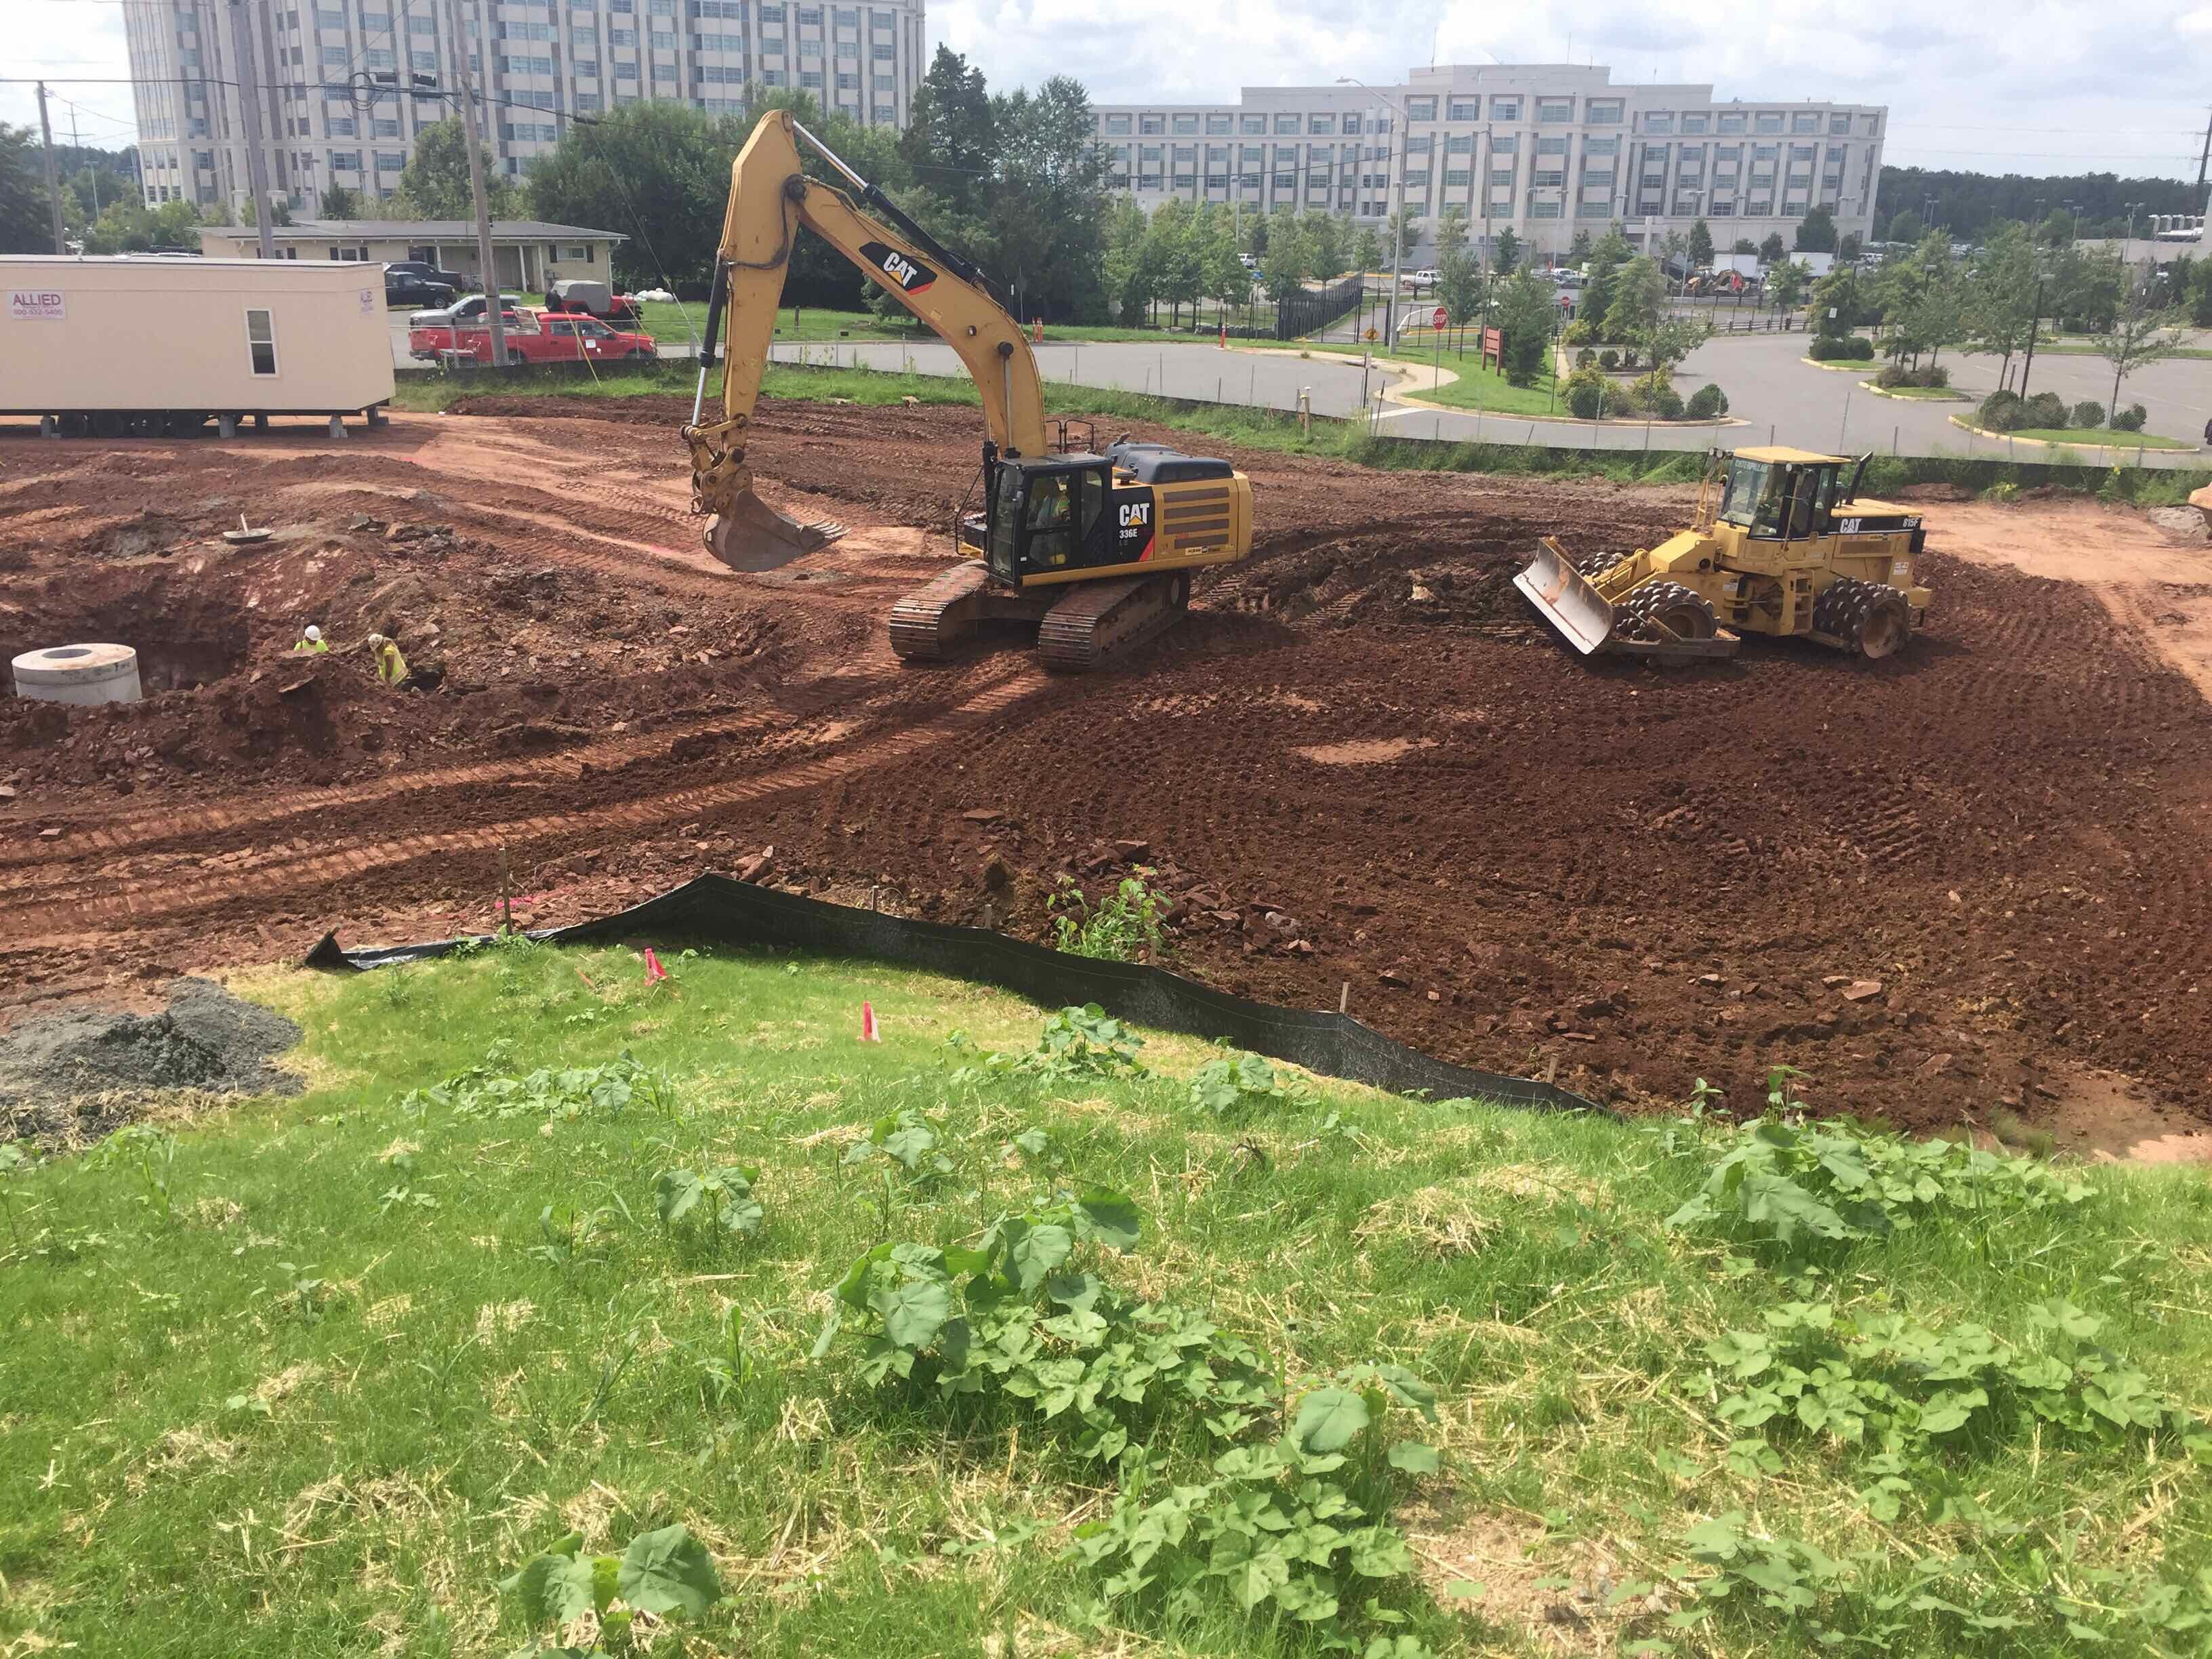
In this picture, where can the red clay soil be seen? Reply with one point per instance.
(1946, 885)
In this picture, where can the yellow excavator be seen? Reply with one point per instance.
(1095, 547)
(1781, 544)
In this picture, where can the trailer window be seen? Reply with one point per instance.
(261, 340)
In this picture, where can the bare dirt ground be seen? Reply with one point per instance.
(1511, 858)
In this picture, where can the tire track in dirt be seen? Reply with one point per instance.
(42, 925)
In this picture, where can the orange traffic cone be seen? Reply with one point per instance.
(654, 972)
(868, 1033)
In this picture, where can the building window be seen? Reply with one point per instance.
(1551, 147)
(1805, 120)
(381, 128)
(1252, 124)
(1555, 109)
(1659, 120)
(1542, 209)
(1602, 147)
(1501, 177)
(1732, 120)
(1185, 123)
(1459, 144)
(1605, 112)
(1320, 123)
(1505, 144)
(1216, 126)
(1767, 120)
(1455, 176)
(1351, 124)
(1548, 179)
(1152, 126)
(811, 78)
(1286, 124)
(1696, 121)
(389, 161)
(261, 340)
(1504, 109)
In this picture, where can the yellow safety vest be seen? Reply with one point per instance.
(391, 666)
(311, 645)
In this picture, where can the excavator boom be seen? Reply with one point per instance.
(770, 198)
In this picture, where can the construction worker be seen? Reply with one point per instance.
(391, 666)
(310, 640)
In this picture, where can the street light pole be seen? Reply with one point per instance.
(1397, 163)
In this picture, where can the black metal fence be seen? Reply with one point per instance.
(1311, 309)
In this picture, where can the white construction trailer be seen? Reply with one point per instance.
(146, 345)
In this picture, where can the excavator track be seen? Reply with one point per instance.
(930, 621)
(1100, 622)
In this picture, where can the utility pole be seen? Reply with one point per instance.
(54, 179)
(94, 172)
(2204, 156)
(249, 111)
(468, 101)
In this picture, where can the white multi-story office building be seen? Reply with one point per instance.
(341, 79)
(1543, 150)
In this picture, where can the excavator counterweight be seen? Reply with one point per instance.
(1094, 549)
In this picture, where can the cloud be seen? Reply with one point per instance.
(66, 40)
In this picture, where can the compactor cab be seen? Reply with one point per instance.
(1789, 548)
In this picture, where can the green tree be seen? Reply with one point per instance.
(1048, 202)
(1745, 245)
(1924, 300)
(1527, 309)
(2198, 294)
(1179, 256)
(1771, 251)
(1607, 256)
(1904, 226)
(2142, 333)
(1787, 282)
(1227, 283)
(1701, 244)
(1402, 230)
(435, 183)
(26, 227)
(2087, 286)
(1669, 340)
(951, 143)
(1132, 284)
(1507, 259)
(1636, 301)
(1450, 232)
(1459, 285)
(340, 202)
(1367, 249)
(1842, 301)
(1324, 239)
(1970, 205)
(1850, 247)
(2001, 295)
(1816, 232)
(1283, 269)
(1578, 250)
(2057, 229)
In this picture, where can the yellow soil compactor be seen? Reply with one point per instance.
(1788, 547)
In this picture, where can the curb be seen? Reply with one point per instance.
(1949, 397)
(2169, 447)
(1858, 365)
(1633, 425)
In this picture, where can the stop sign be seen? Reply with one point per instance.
(1440, 319)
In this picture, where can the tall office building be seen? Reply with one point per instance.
(343, 80)
(1541, 149)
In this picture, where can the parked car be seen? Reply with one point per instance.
(407, 287)
(1419, 280)
(462, 311)
(532, 337)
(430, 273)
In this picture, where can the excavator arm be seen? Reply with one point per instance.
(770, 198)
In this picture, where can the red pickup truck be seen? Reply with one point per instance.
(532, 338)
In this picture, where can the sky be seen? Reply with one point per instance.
(1993, 86)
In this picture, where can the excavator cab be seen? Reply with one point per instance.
(1049, 514)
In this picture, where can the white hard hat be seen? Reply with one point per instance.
(313, 632)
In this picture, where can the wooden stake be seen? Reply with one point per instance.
(1344, 998)
(505, 894)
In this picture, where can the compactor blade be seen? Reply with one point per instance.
(1565, 597)
(752, 536)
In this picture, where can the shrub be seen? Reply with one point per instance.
(2000, 411)
(1895, 374)
(1585, 358)
(1628, 357)
(2129, 419)
(1608, 359)
(1707, 403)
(2090, 414)
(1580, 332)
(2044, 410)
(1667, 404)
(1851, 348)
(1124, 926)
(1588, 393)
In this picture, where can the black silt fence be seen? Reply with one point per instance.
(720, 910)
(1300, 313)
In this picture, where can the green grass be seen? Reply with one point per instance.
(2098, 434)
(1926, 394)
(203, 1457)
(1477, 385)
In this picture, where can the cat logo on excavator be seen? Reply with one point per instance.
(1790, 548)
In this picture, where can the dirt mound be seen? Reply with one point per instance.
(61, 1074)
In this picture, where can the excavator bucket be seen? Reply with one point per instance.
(1565, 597)
(750, 535)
